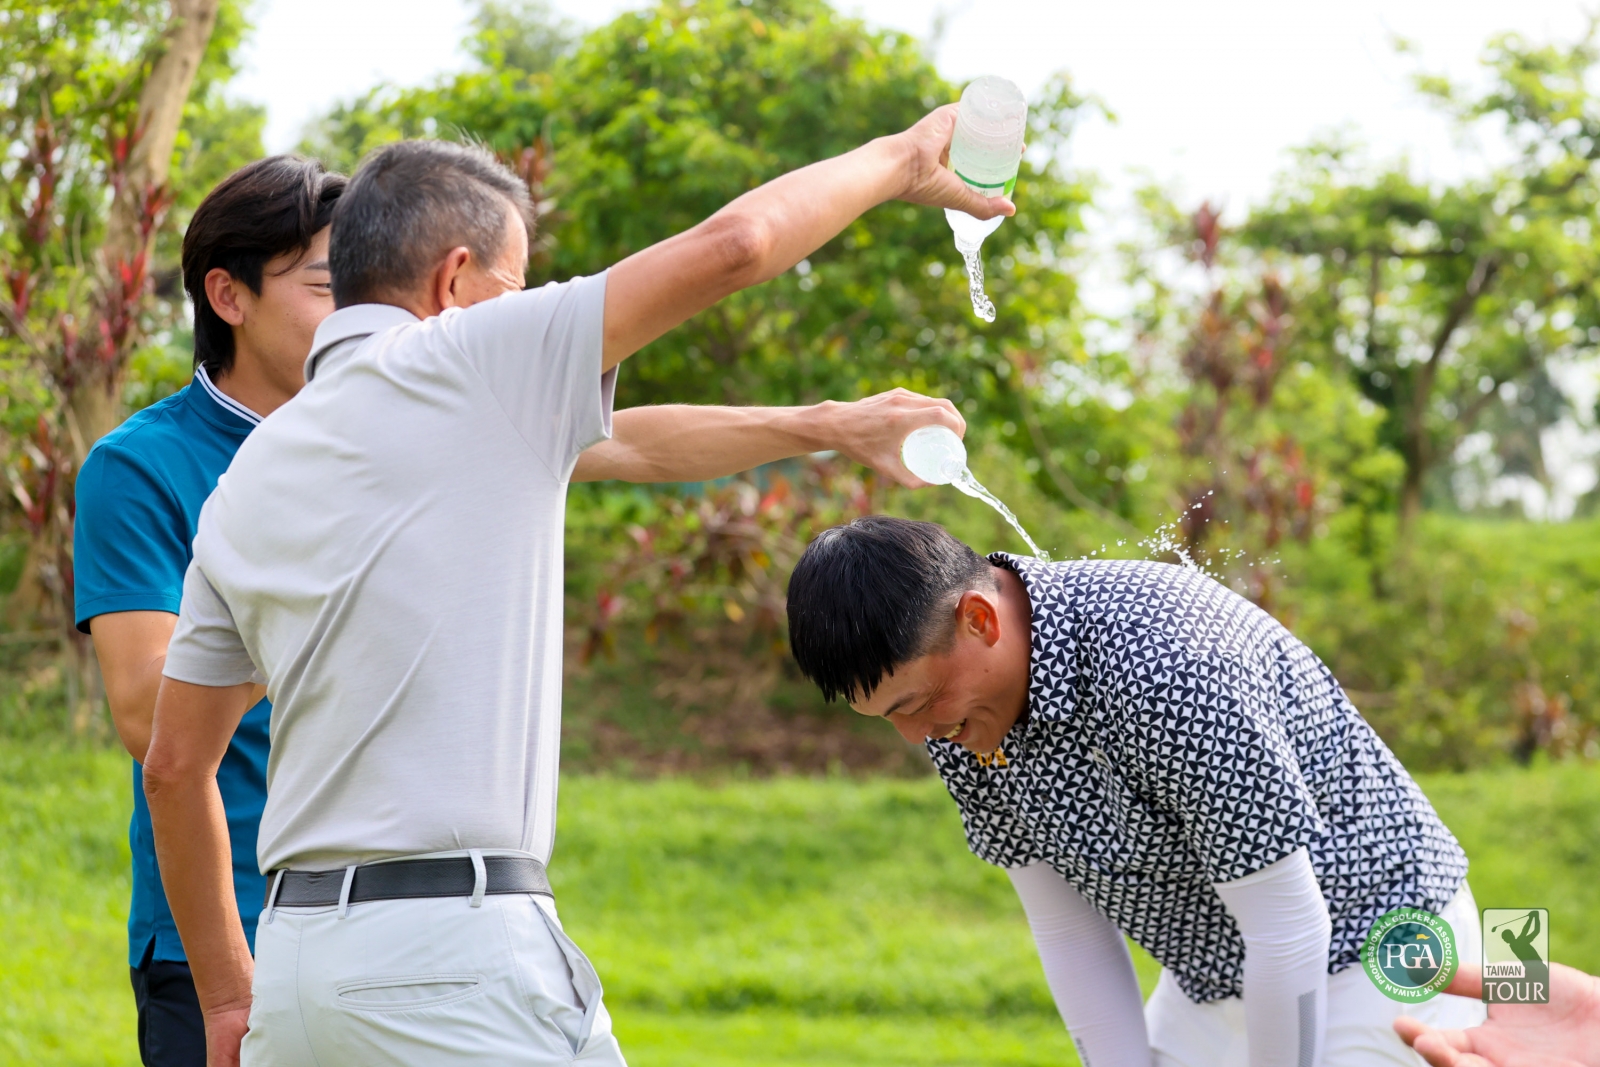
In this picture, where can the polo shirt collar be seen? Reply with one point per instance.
(352, 323)
(218, 407)
(1055, 640)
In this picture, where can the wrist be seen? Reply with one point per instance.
(896, 154)
(818, 427)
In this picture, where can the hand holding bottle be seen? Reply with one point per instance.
(929, 180)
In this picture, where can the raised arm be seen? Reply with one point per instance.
(770, 229)
(685, 443)
(192, 726)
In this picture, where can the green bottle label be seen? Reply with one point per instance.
(1004, 188)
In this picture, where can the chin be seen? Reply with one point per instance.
(980, 746)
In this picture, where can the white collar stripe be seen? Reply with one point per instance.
(224, 399)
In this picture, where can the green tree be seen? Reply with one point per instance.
(1447, 303)
(660, 117)
(114, 118)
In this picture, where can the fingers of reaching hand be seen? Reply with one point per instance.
(1468, 982)
(1444, 1048)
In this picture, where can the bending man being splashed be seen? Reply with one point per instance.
(1146, 753)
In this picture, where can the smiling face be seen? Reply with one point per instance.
(973, 690)
(280, 323)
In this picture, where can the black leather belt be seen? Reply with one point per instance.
(404, 879)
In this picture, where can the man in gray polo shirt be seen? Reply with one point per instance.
(385, 555)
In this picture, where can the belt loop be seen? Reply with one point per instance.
(272, 897)
(344, 890)
(480, 877)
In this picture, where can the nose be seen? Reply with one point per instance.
(912, 730)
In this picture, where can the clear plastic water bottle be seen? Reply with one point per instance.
(986, 151)
(935, 454)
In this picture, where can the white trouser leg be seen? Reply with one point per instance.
(1360, 1029)
(432, 981)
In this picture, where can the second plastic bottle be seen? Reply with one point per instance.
(985, 152)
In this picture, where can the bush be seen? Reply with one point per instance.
(1473, 643)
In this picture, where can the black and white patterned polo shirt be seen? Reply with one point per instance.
(1176, 736)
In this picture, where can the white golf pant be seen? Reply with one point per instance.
(425, 982)
(1360, 1029)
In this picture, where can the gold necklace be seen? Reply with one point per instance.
(997, 758)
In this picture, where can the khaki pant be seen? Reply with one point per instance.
(425, 982)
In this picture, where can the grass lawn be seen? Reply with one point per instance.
(794, 922)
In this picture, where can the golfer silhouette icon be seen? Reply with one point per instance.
(1534, 966)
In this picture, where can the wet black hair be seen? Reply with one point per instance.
(874, 594)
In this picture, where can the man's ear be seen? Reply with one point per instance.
(978, 613)
(447, 278)
(223, 294)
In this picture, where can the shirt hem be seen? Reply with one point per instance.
(90, 610)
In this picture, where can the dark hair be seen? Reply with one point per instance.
(411, 202)
(259, 212)
(874, 594)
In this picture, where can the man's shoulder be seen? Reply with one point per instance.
(1117, 588)
(149, 433)
(528, 315)
(166, 444)
(1146, 608)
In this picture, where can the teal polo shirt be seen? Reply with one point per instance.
(138, 499)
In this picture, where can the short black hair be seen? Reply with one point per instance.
(873, 594)
(409, 203)
(261, 211)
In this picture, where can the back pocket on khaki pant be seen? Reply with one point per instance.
(408, 992)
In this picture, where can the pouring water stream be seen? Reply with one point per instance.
(937, 456)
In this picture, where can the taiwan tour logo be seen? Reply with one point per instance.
(1516, 955)
(1410, 955)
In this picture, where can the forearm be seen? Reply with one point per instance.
(688, 443)
(1088, 968)
(1284, 922)
(192, 847)
(805, 209)
(770, 229)
(753, 239)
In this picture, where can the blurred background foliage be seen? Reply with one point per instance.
(1335, 400)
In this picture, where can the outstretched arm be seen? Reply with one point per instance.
(770, 229)
(687, 443)
(1562, 1033)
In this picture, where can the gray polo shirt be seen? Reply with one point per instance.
(386, 553)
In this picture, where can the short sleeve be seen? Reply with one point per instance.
(1204, 738)
(206, 648)
(130, 540)
(539, 351)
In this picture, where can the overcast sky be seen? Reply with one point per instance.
(1208, 96)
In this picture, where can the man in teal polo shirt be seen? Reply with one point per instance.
(255, 266)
